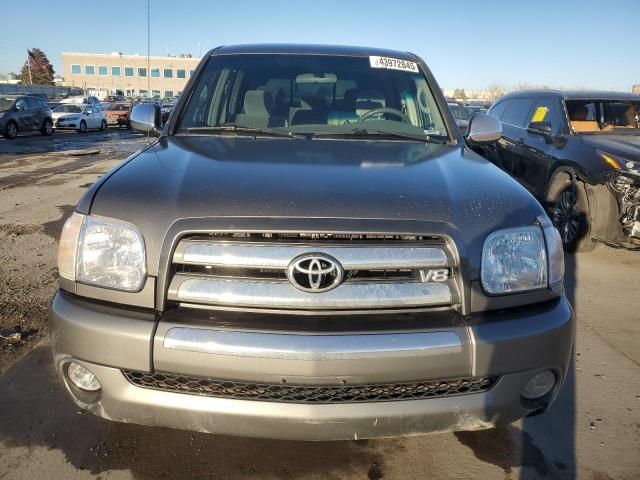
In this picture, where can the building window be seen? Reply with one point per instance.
(89, 70)
(180, 73)
(155, 93)
(179, 93)
(168, 94)
(191, 73)
(115, 71)
(168, 73)
(142, 72)
(155, 72)
(128, 71)
(102, 70)
(142, 93)
(76, 70)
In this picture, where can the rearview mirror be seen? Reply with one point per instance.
(541, 128)
(146, 117)
(483, 129)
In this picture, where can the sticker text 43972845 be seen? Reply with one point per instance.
(393, 64)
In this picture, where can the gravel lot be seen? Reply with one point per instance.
(593, 431)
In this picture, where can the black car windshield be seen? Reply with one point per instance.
(604, 116)
(69, 109)
(312, 94)
(6, 103)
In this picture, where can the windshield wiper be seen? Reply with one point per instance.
(372, 132)
(235, 128)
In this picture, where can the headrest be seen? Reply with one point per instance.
(351, 97)
(258, 103)
(276, 92)
(580, 113)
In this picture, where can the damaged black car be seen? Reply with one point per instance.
(579, 154)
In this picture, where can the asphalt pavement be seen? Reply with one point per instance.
(592, 432)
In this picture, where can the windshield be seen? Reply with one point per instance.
(6, 104)
(604, 116)
(68, 109)
(312, 94)
(120, 107)
(459, 112)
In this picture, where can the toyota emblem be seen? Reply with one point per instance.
(315, 272)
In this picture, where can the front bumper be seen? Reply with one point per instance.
(511, 345)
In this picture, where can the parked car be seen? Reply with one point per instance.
(579, 154)
(79, 117)
(311, 251)
(90, 100)
(118, 114)
(115, 98)
(165, 110)
(473, 109)
(461, 115)
(24, 113)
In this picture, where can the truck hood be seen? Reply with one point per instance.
(439, 189)
(624, 144)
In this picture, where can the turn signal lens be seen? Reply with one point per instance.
(68, 248)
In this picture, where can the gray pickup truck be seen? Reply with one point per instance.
(310, 250)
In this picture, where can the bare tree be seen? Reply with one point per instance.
(495, 90)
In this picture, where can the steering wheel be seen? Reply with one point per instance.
(392, 111)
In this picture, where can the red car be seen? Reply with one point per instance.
(118, 114)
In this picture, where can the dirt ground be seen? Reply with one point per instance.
(592, 432)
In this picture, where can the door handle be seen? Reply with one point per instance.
(520, 141)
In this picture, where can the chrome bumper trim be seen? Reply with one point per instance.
(312, 347)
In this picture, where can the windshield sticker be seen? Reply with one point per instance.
(539, 114)
(393, 64)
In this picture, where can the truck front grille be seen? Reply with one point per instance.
(318, 394)
(253, 270)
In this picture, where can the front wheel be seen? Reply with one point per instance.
(103, 126)
(568, 208)
(83, 127)
(47, 128)
(11, 130)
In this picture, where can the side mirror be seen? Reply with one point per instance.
(483, 129)
(541, 128)
(146, 117)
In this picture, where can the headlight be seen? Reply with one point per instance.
(102, 252)
(620, 163)
(514, 260)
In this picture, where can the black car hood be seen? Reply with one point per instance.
(240, 182)
(625, 144)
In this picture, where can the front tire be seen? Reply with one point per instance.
(10, 130)
(47, 128)
(83, 127)
(568, 208)
(103, 126)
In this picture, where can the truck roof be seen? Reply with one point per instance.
(576, 94)
(290, 48)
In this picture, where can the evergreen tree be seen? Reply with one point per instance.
(41, 69)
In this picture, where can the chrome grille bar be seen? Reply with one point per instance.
(279, 256)
(243, 293)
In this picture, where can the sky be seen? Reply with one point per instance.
(466, 43)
